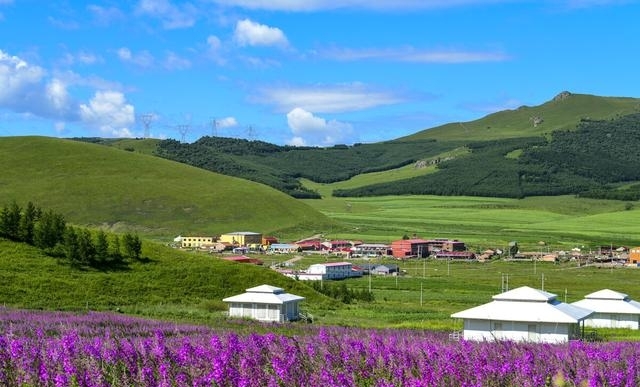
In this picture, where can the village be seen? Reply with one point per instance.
(234, 245)
(520, 314)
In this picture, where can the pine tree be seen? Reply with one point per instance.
(26, 228)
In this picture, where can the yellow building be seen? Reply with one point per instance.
(634, 256)
(193, 242)
(241, 238)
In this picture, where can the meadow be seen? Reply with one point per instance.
(102, 349)
(556, 223)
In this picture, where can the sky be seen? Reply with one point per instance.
(301, 72)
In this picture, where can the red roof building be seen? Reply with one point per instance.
(410, 248)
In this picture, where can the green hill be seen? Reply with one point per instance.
(168, 283)
(574, 144)
(94, 185)
(563, 112)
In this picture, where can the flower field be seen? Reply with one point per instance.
(98, 349)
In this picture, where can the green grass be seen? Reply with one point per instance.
(561, 222)
(94, 185)
(167, 284)
(557, 115)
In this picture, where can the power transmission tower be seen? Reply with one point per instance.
(214, 127)
(146, 119)
(183, 130)
(250, 132)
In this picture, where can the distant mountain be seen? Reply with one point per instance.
(94, 185)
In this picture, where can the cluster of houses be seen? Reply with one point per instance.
(244, 242)
(521, 314)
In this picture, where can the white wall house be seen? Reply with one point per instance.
(332, 271)
(611, 310)
(523, 314)
(265, 303)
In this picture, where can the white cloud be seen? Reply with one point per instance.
(24, 89)
(81, 57)
(56, 92)
(227, 122)
(410, 54)
(175, 62)
(214, 43)
(378, 5)
(109, 112)
(105, 15)
(142, 59)
(326, 98)
(172, 16)
(308, 129)
(249, 33)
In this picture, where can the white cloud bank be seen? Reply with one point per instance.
(27, 88)
(413, 55)
(310, 130)
(326, 98)
(250, 33)
(109, 112)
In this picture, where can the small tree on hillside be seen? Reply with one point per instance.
(102, 247)
(132, 245)
(10, 221)
(26, 228)
(49, 230)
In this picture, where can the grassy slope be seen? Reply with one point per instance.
(557, 114)
(562, 222)
(172, 284)
(103, 186)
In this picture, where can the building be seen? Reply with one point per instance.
(282, 248)
(370, 250)
(524, 314)
(634, 256)
(409, 248)
(440, 244)
(241, 238)
(387, 269)
(611, 310)
(195, 242)
(331, 271)
(336, 246)
(265, 303)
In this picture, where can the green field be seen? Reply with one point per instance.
(560, 222)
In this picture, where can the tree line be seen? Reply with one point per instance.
(49, 232)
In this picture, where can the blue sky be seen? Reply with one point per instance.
(301, 72)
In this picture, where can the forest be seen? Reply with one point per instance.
(599, 159)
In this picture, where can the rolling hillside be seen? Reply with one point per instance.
(563, 112)
(556, 148)
(168, 284)
(94, 185)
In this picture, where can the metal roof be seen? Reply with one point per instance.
(609, 301)
(527, 305)
(264, 294)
